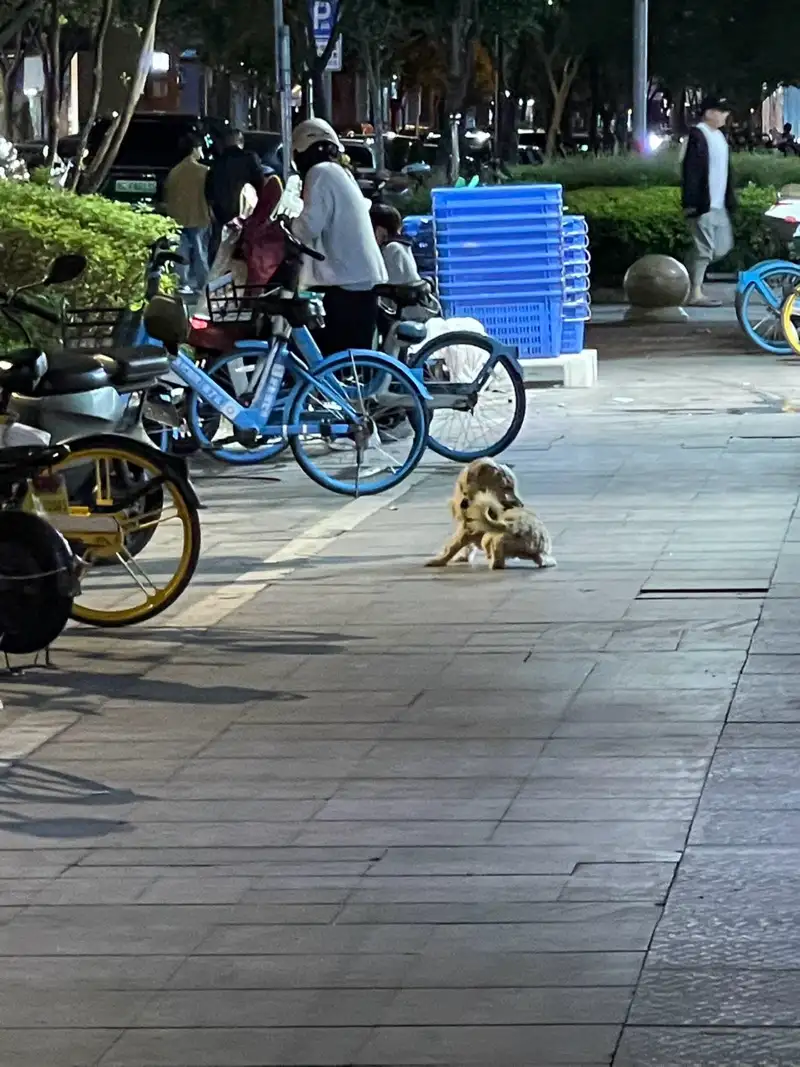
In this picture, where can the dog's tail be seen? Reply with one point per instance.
(491, 511)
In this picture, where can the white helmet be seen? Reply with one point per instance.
(312, 132)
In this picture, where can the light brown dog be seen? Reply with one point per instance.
(511, 533)
(480, 476)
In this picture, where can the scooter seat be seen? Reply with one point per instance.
(21, 369)
(127, 369)
(72, 373)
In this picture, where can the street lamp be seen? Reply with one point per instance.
(640, 80)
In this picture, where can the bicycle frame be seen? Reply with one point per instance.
(257, 414)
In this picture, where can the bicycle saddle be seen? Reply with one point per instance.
(404, 295)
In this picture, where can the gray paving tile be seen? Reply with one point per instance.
(503, 1045)
(470, 968)
(630, 834)
(350, 971)
(236, 1047)
(575, 1006)
(263, 1007)
(70, 1047)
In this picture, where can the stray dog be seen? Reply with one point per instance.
(482, 475)
(510, 533)
(485, 492)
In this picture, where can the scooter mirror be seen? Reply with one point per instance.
(65, 269)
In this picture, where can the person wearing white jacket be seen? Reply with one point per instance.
(335, 222)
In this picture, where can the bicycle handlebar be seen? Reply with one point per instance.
(298, 245)
(22, 302)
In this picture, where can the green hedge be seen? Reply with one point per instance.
(627, 223)
(766, 169)
(38, 223)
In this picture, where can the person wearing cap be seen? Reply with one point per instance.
(335, 222)
(707, 194)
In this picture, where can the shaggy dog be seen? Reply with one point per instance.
(511, 533)
(495, 487)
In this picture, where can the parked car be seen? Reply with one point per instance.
(152, 145)
(267, 146)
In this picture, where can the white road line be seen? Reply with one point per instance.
(224, 601)
(25, 735)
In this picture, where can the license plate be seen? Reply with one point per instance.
(126, 186)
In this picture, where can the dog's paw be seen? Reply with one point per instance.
(548, 561)
(435, 563)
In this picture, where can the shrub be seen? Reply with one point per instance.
(625, 224)
(38, 223)
(767, 169)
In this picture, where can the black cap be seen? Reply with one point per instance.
(714, 103)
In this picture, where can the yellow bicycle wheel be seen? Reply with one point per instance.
(789, 313)
(132, 519)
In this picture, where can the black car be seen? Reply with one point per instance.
(267, 146)
(152, 145)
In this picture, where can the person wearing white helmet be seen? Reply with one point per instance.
(335, 222)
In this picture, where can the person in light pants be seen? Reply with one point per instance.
(707, 195)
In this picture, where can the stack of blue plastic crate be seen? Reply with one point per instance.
(499, 258)
(418, 229)
(576, 283)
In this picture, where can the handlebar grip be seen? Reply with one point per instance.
(35, 307)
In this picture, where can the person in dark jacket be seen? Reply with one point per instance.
(229, 173)
(707, 194)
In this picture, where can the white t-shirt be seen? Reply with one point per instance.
(400, 264)
(717, 165)
(335, 221)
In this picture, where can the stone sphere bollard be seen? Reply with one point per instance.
(656, 288)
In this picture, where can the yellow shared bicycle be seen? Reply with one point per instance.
(790, 320)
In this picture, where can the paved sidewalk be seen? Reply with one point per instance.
(381, 815)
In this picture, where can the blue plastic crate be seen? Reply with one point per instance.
(542, 271)
(575, 224)
(414, 224)
(572, 337)
(577, 308)
(495, 193)
(534, 327)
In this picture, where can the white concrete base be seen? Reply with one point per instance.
(575, 371)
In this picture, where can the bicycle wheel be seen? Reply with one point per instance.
(758, 306)
(237, 374)
(138, 536)
(489, 417)
(790, 312)
(383, 448)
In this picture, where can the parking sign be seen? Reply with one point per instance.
(323, 18)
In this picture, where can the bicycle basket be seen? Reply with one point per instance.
(95, 329)
(234, 303)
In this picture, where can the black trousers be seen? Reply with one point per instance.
(350, 319)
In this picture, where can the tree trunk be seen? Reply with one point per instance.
(97, 88)
(560, 89)
(17, 20)
(98, 169)
(372, 67)
(50, 44)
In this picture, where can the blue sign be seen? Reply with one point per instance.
(323, 18)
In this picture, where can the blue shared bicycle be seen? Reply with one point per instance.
(760, 295)
(356, 421)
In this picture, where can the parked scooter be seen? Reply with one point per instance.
(134, 393)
